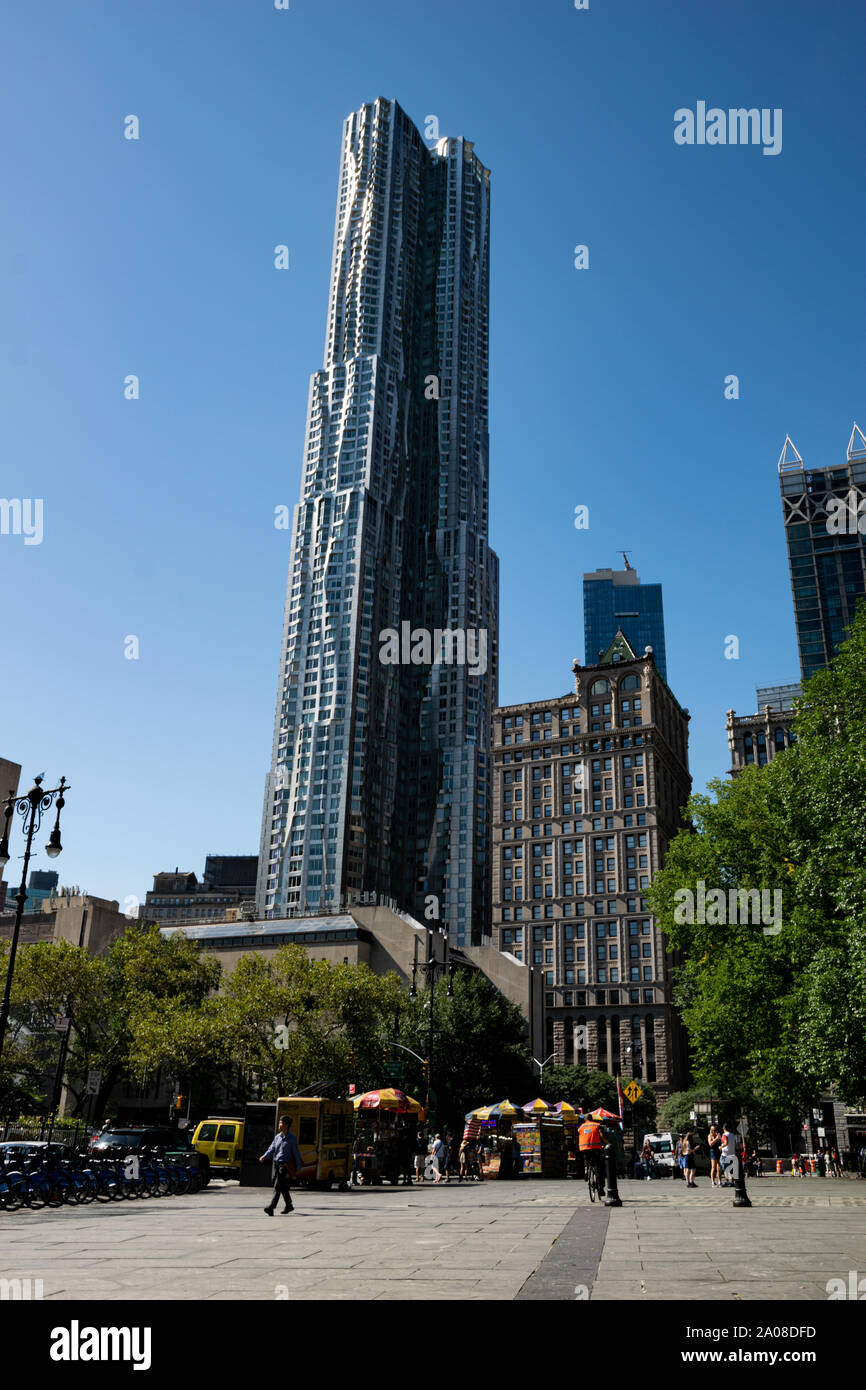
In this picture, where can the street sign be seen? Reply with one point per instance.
(394, 1070)
(61, 1024)
(351, 1088)
(743, 1128)
(633, 1091)
(94, 1081)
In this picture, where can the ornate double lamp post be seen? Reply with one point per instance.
(31, 809)
(431, 968)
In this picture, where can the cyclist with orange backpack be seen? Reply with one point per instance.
(591, 1141)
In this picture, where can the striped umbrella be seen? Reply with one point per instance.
(536, 1107)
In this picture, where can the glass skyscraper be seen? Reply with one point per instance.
(616, 599)
(826, 548)
(380, 774)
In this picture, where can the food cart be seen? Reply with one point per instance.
(386, 1122)
(495, 1133)
(541, 1140)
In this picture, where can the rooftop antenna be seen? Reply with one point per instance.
(625, 554)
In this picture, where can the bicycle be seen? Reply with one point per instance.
(590, 1173)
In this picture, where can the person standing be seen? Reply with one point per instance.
(287, 1159)
(678, 1157)
(689, 1150)
(730, 1157)
(440, 1158)
(714, 1144)
(420, 1156)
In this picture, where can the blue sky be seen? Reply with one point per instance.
(155, 257)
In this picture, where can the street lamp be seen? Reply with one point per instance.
(31, 809)
(430, 968)
(541, 1066)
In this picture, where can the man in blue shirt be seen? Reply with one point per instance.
(284, 1151)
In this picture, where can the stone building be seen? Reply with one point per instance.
(228, 884)
(757, 738)
(588, 792)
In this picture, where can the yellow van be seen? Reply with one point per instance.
(223, 1142)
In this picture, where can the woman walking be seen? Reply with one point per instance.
(714, 1144)
(646, 1159)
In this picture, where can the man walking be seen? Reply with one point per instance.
(287, 1158)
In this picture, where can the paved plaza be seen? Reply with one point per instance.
(496, 1240)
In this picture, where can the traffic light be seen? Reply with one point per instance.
(425, 1070)
(386, 1056)
(351, 1056)
(179, 1103)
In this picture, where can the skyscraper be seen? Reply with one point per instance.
(380, 772)
(616, 599)
(824, 510)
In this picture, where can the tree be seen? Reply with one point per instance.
(294, 1022)
(778, 1015)
(480, 1053)
(130, 1009)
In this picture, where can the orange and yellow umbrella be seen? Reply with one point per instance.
(388, 1098)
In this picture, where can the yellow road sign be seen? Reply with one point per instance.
(633, 1091)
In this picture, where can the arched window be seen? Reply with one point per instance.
(631, 682)
(601, 1027)
(569, 1040)
(601, 687)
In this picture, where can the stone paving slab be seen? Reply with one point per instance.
(493, 1241)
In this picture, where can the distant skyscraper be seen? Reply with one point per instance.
(615, 599)
(826, 550)
(380, 773)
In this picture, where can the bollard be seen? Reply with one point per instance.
(611, 1196)
(741, 1197)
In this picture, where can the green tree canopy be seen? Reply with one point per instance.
(781, 1014)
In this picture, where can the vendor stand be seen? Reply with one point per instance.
(541, 1141)
(386, 1121)
(494, 1140)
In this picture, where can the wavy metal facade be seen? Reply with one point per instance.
(380, 773)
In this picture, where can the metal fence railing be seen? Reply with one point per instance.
(73, 1134)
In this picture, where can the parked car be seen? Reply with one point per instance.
(19, 1150)
(221, 1141)
(132, 1138)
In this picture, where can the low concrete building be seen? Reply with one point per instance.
(72, 916)
(380, 938)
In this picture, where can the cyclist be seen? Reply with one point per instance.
(591, 1141)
